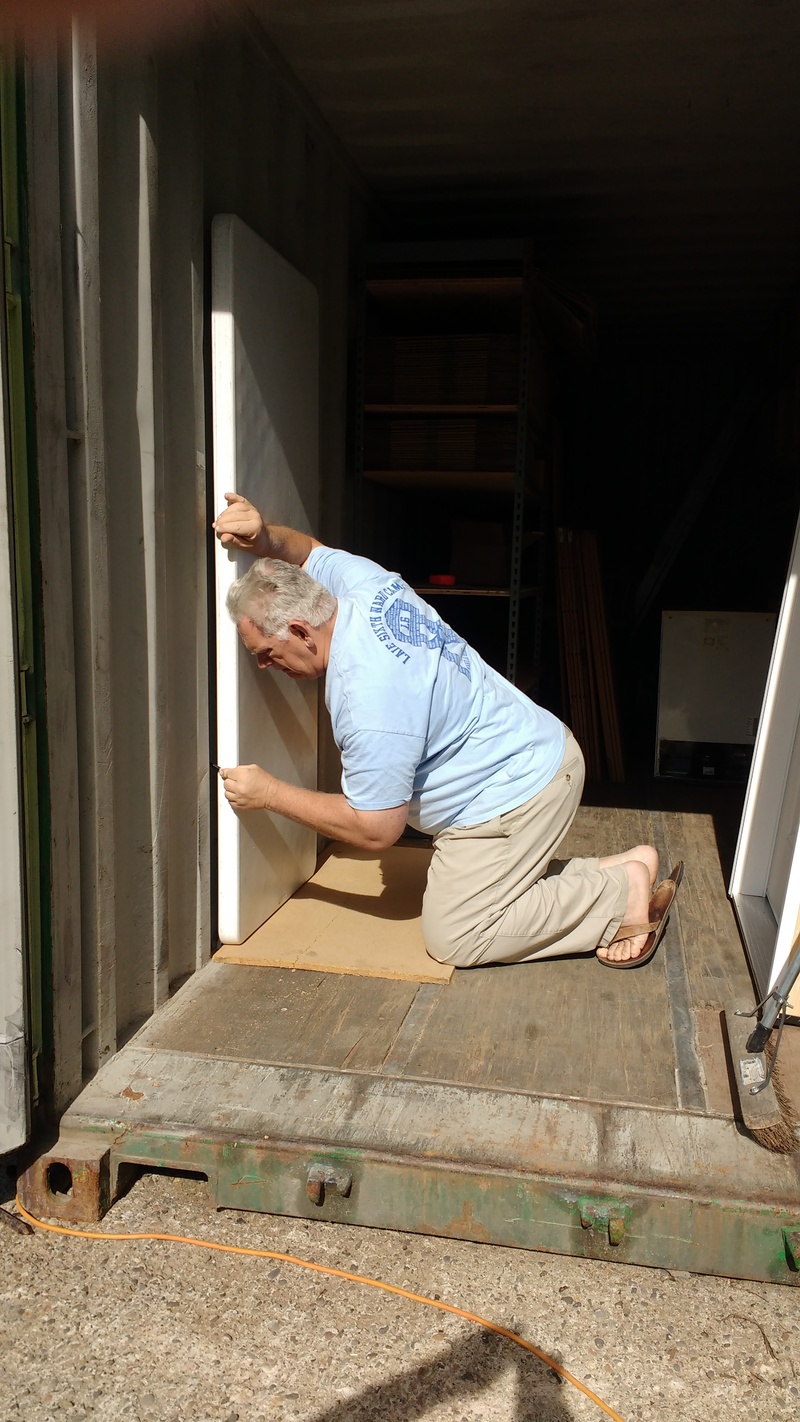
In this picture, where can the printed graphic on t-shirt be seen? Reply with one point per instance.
(408, 624)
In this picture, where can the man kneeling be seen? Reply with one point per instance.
(431, 736)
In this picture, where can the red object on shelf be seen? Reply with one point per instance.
(442, 580)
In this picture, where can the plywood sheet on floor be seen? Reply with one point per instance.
(277, 1015)
(361, 913)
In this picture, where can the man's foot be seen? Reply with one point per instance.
(640, 884)
(661, 902)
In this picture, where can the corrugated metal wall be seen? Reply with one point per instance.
(129, 160)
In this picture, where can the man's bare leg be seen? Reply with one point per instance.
(644, 852)
(641, 867)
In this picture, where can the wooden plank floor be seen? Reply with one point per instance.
(566, 1027)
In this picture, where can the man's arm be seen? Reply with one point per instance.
(248, 787)
(240, 525)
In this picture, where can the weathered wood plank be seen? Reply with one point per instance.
(716, 966)
(565, 1027)
(710, 1037)
(395, 1063)
(276, 1015)
(689, 1075)
(606, 829)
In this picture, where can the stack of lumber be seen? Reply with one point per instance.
(586, 672)
(458, 370)
(430, 443)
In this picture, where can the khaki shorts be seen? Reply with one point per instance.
(495, 893)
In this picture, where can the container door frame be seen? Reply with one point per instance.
(18, 870)
(14, 1086)
(769, 928)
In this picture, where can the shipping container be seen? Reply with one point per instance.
(505, 296)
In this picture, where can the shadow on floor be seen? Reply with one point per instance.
(467, 1369)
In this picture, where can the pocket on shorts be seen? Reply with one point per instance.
(512, 819)
(488, 829)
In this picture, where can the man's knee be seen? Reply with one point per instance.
(446, 944)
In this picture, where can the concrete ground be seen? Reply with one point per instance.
(159, 1332)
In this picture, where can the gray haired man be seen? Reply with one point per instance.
(431, 736)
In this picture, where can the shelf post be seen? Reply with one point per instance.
(520, 465)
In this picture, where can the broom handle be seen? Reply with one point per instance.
(788, 977)
(775, 1002)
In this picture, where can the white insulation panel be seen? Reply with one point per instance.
(265, 377)
(713, 671)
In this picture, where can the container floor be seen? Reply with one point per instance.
(565, 1027)
(556, 1106)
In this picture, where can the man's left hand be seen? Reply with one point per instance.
(247, 787)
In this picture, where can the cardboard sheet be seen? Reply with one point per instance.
(360, 913)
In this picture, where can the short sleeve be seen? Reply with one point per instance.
(379, 768)
(343, 573)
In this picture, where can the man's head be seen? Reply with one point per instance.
(285, 617)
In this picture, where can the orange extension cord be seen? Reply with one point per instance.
(337, 1274)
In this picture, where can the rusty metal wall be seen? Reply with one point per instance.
(131, 155)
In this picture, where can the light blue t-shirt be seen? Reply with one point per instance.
(417, 715)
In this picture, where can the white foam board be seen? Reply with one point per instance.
(265, 391)
(712, 675)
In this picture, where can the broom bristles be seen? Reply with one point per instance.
(781, 1138)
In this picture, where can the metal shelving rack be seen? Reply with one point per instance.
(417, 276)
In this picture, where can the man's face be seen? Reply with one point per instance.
(299, 657)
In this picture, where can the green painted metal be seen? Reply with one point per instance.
(24, 511)
(664, 1230)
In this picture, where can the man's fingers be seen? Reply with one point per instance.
(245, 520)
(242, 786)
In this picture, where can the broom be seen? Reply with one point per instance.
(764, 1104)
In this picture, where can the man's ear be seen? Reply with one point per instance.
(305, 632)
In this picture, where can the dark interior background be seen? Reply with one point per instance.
(649, 152)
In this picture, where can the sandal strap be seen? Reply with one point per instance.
(631, 930)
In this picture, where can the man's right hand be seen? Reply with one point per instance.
(240, 525)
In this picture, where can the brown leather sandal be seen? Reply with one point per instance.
(631, 930)
(658, 910)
